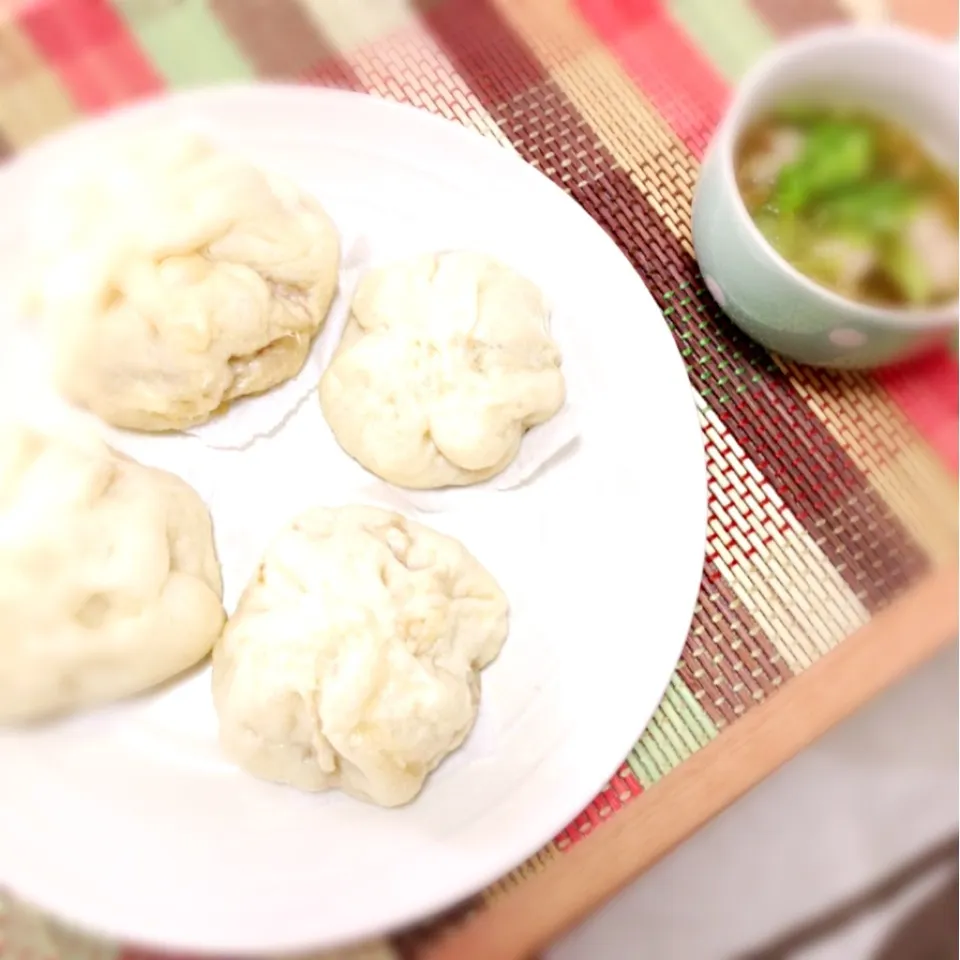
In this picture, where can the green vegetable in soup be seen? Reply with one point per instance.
(854, 202)
(880, 207)
(835, 155)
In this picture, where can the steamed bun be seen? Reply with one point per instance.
(172, 278)
(353, 659)
(109, 583)
(445, 363)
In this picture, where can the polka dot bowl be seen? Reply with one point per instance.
(907, 78)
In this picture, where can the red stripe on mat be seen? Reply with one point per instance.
(925, 389)
(621, 790)
(87, 44)
(662, 60)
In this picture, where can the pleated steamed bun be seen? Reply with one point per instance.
(172, 278)
(445, 363)
(109, 582)
(353, 659)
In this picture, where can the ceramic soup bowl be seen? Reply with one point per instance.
(895, 74)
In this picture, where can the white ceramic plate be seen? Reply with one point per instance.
(127, 821)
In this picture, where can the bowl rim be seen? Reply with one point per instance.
(738, 114)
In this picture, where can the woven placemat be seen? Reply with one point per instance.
(829, 493)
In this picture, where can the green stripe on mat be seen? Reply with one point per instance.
(679, 728)
(730, 33)
(186, 43)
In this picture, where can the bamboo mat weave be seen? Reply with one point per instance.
(829, 494)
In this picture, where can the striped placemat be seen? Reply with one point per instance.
(829, 493)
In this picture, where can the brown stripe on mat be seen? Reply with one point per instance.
(750, 394)
(787, 17)
(485, 51)
(722, 626)
(282, 42)
(515, 90)
(846, 517)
